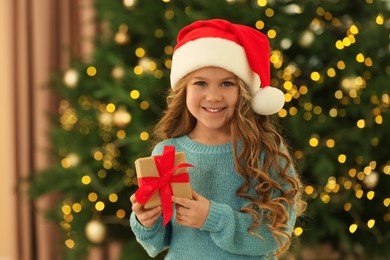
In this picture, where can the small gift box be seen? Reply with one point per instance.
(160, 177)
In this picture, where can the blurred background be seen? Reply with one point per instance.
(84, 81)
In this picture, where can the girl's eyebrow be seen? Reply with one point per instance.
(203, 78)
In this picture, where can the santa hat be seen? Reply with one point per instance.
(237, 48)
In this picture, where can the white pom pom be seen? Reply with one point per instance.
(268, 101)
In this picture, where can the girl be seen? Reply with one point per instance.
(246, 193)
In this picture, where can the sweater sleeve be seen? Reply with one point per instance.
(153, 239)
(229, 229)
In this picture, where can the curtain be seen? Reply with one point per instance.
(40, 37)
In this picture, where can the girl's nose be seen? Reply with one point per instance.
(213, 94)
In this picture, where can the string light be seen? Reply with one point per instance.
(91, 71)
(76, 207)
(144, 136)
(262, 3)
(120, 213)
(129, 4)
(86, 180)
(99, 206)
(353, 228)
(69, 243)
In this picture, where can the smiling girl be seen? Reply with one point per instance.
(246, 192)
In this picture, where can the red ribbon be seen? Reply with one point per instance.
(148, 186)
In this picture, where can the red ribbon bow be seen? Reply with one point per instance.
(148, 186)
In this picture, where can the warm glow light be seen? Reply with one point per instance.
(144, 105)
(261, 3)
(76, 207)
(313, 142)
(347, 206)
(120, 213)
(361, 123)
(269, 12)
(69, 243)
(379, 119)
(99, 206)
(91, 71)
(325, 197)
(315, 76)
(259, 24)
(144, 136)
(331, 72)
(303, 90)
(353, 29)
(86, 180)
(66, 209)
(347, 185)
(370, 195)
(340, 65)
(113, 197)
(371, 223)
(342, 158)
(110, 108)
(339, 45)
(330, 143)
(140, 52)
(298, 231)
(138, 70)
(134, 94)
(380, 19)
(121, 134)
(359, 194)
(271, 34)
(92, 197)
(353, 228)
(360, 57)
(309, 190)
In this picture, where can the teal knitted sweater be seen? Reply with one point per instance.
(224, 234)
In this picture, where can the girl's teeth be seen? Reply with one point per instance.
(213, 110)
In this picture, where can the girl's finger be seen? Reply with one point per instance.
(132, 199)
(182, 201)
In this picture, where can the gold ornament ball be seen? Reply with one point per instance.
(95, 231)
(118, 72)
(306, 39)
(121, 117)
(73, 159)
(71, 78)
(371, 180)
(105, 118)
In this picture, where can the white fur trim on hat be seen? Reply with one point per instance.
(268, 101)
(217, 52)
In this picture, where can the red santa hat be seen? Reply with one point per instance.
(237, 48)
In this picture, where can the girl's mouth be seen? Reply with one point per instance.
(213, 110)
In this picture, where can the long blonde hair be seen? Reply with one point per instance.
(256, 133)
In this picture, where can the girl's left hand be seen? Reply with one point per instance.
(191, 213)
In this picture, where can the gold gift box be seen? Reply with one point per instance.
(146, 167)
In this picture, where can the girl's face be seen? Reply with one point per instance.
(212, 94)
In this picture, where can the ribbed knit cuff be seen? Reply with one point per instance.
(142, 231)
(216, 217)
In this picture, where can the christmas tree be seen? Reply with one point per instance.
(329, 57)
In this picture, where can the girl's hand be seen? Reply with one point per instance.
(192, 213)
(147, 217)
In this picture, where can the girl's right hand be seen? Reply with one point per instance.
(147, 217)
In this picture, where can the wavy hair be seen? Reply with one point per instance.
(256, 133)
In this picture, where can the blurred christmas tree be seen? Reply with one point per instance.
(331, 58)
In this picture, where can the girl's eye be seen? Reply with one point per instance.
(228, 84)
(200, 83)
